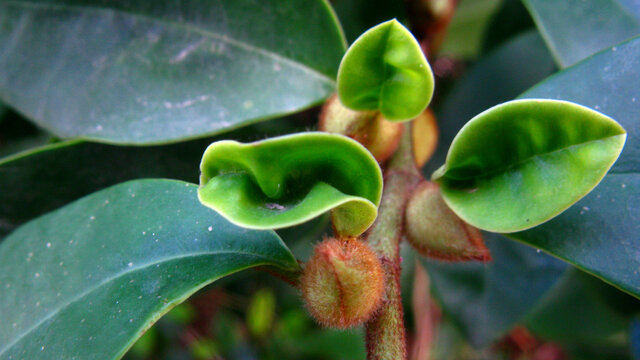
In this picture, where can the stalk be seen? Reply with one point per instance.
(385, 332)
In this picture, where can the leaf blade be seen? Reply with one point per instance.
(285, 181)
(385, 70)
(164, 71)
(130, 275)
(521, 163)
(575, 30)
(605, 221)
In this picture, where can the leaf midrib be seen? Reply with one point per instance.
(187, 27)
(120, 274)
(528, 159)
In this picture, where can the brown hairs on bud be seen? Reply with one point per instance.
(343, 283)
(434, 230)
(424, 137)
(380, 136)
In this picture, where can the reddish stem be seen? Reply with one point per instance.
(386, 334)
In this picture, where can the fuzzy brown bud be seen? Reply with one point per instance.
(434, 230)
(343, 283)
(380, 136)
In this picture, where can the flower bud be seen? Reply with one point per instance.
(380, 136)
(343, 283)
(424, 137)
(434, 230)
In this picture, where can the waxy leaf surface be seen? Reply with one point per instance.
(85, 281)
(288, 180)
(606, 249)
(385, 70)
(156, 71)
(521, 163)
(601, 233)
(576, 29)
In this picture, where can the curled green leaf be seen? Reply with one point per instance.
(523, 162)
(288, 180)
(386, 70)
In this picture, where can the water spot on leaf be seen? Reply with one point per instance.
(274, 206)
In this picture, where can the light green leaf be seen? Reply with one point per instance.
(385, 70)
(577, 29)
(601, 233)
(288, 180)
(86, 281)
(156, 71)
(523, 162)
(473, 294)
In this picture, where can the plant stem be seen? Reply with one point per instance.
(386, 335)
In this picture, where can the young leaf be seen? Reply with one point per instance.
(288, 180)
(159, 71)
(473, 294)
(601, 233)
(385, 70)
(86, 281)
(523, 162)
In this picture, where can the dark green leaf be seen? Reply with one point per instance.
(386, 70)
(522, 162)
(148, 72)
(487, 299)
(87, 280)
(560, 316)
(601, 233)
(46, 178)
(288, 180)
(576, 29)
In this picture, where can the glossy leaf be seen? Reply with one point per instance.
(500, 76)
(576, 29)
(521, 163)
(385, 70)
(149, 72)
(75, 168)
(474, 295)
(601, 233)
(288, 180)
(87, 280)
